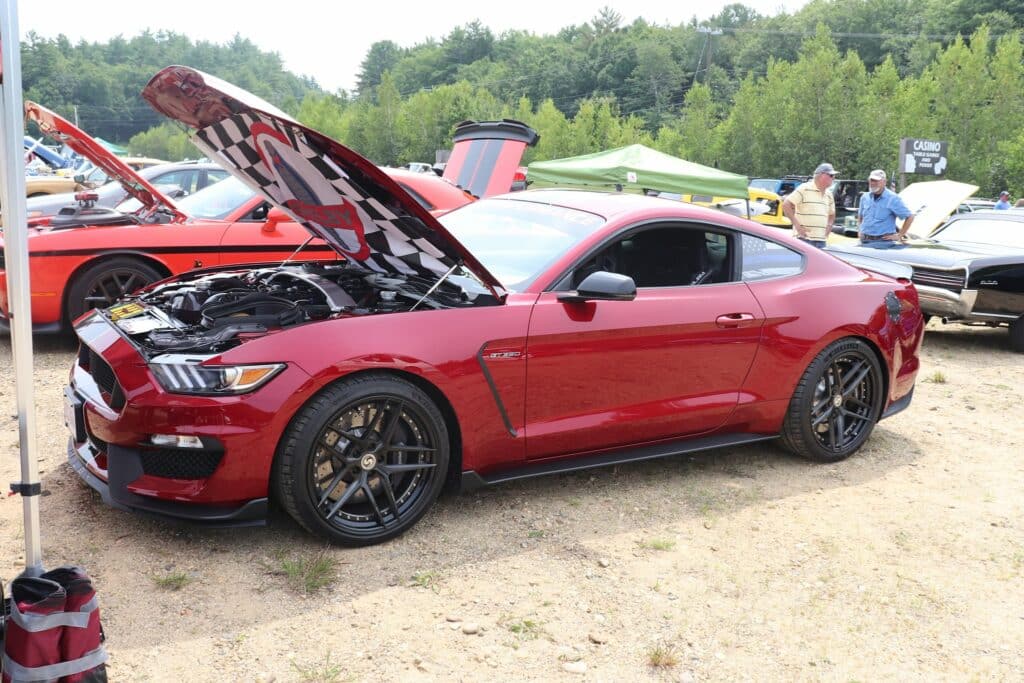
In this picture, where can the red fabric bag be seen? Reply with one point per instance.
(53, 632)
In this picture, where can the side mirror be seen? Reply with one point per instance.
(602, 286)
(274, 216)
(79, 178)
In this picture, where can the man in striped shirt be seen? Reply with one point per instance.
(811, 207)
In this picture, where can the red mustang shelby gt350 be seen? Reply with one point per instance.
(529, 333)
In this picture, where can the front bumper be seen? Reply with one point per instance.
(114, 405)
(124, 466)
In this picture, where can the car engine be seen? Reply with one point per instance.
(211, 312)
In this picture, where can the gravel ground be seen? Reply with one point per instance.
(905, 562)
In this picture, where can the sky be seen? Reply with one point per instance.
(327, 40)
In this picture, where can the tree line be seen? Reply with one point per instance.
(836, 81)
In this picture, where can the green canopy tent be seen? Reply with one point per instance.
(112, 147)
(636, 168)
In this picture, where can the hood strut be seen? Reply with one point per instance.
(435, 286)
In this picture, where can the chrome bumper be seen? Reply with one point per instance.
(947, 304)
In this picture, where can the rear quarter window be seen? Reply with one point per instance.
(764, 259)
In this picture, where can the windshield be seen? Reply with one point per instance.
(517, 240)
(216, 201)
(1002, 233)
(765, 183)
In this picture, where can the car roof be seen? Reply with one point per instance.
(151, 171)
(988, 215)
(610, 205)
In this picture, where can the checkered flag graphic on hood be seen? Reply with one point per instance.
(356, 218)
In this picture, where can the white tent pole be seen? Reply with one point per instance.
(12, 201)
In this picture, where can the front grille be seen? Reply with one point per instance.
(180, 463)
(953, 280)
(103, 375)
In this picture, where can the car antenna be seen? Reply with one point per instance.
(436, 285)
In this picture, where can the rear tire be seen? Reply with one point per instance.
(836, 403)
(1017, 335)
(363, 461)
(103, 283)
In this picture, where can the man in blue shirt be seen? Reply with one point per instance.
(879, 209)
(1004, 201)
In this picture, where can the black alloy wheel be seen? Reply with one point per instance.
(364, 460)
(104, 283)
(836, 403)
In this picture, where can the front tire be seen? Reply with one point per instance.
(836, 403)
(363, 461)
(103, 283)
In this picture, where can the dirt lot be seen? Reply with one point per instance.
(905, 562)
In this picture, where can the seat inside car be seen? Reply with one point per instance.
(667, 257)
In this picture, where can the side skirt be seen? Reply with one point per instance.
(472, 481)
(899, 405)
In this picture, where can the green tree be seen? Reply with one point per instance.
(690, 136)
(382, 56)
(165, 141)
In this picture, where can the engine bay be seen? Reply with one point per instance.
(211, 312)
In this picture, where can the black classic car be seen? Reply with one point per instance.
(970, 271)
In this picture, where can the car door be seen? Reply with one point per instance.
(252, 239)
(668, 364)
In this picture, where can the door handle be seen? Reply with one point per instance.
(734, 319)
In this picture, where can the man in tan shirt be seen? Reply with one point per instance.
(811, 207)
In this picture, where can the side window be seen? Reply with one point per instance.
(215, 177)
(673, 256)
(763, 259)
(183, 179)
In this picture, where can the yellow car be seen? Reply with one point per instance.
(65, 180)
(765, 206)
(39, 185)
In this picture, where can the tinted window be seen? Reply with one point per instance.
(763, 259)
(671, 256)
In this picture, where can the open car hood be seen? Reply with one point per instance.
(932, 201)
(58, 128)
(334, 192)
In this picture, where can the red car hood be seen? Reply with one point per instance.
(54, 126)
(334, 192)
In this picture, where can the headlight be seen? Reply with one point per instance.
(185, 376)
